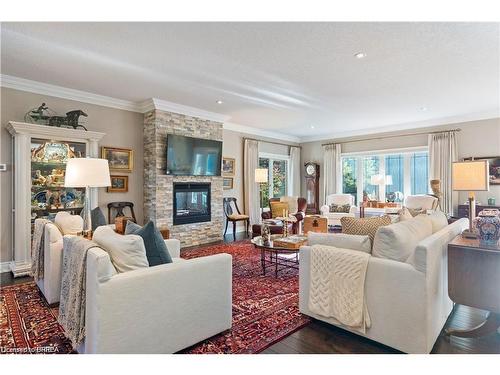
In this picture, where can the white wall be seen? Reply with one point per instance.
(477, 138)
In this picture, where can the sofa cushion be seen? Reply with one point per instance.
(277, 208)
(438, 220)
(398, 241)
(127, 252)
(293, 203)
(156, 250)
(364, 226)
(405, 214)
(68, 224)
(341, 240)
(97, 218)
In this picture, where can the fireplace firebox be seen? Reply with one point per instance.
(191, 203)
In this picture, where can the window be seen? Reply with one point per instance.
(403, 173)
(277, 185)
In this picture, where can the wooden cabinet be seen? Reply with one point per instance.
(463, 209)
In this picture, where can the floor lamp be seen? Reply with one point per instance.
(261, 177)
(87, 173)
(470, 176)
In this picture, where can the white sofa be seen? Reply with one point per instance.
(160, 309)
(338, 199)
(407, 300)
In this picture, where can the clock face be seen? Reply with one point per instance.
(310, 169)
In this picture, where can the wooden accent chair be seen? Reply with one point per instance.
(234, 215)
(119, 207)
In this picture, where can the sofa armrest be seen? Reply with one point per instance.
(192, 301)
(173, 247)
(300, 216)
(266, 215)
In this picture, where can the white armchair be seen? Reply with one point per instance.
(160, 309)
(422, 201)
(338, 199)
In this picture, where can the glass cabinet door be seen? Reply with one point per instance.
(48, 168)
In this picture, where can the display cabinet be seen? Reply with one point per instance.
(40, 153)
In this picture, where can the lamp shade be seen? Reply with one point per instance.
(388, 180)
(470, 176)
(87, 172)
(261, 175)
(377, 179)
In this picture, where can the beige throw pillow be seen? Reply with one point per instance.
(364, 226)
(127, 252)
(68, 224)
(277, 208)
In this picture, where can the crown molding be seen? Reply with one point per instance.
(485, 115)
(164, 105)
(36, 87)
(259, 132)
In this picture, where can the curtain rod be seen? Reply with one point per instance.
(393, 136)
(274, 143)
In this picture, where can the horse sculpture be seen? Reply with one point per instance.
(71, 119)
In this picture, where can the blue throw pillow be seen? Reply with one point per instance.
(156, 250)
(97, 218)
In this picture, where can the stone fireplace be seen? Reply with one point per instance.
(192, 226)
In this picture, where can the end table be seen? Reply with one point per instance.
(474, 280)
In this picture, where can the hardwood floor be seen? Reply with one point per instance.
(322, 338)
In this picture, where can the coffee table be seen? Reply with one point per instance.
(279, 258)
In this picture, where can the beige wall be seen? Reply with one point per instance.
(122, 128)
(233, 148)
(477, 138)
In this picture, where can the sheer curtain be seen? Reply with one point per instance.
(331, 169)
(295, 168)
(443, 151)
(251, 188)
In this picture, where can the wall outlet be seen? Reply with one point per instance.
(3, 167)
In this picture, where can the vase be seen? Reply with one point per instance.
(487, 226)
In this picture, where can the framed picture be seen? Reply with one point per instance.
(494, 162)
(119, 184)
(120, 159)
(228, 166)
(227, 183)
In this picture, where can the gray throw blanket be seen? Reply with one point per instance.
(72, 302)
(37, 249)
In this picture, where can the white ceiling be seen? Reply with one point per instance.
(281, 77)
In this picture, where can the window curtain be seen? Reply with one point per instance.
(252, 188)
(443, 151)
(331, 169)
(294, 183)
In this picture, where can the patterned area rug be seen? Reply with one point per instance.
(28, 324)
(265, 310)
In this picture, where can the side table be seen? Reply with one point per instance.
(474, 280)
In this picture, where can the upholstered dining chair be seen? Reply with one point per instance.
(119, 207)
(234, 215)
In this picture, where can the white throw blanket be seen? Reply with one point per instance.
(72, 301)
(37, 249)
(337, 288)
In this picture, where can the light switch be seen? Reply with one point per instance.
(3, 167)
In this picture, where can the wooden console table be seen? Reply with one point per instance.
(474, 280)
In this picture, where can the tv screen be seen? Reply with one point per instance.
(187, 156)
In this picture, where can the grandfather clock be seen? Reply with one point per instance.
(312, 187)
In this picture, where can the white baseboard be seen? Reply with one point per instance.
(4, 267)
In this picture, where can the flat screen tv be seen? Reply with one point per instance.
(187, 156)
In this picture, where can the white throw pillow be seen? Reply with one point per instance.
(398, 241)
(69, 224)
(404, 214)
(127, 252)
(438, 220)
(293, 204)
(341, 240)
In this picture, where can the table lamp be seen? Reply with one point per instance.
(261, 177)
(87, 173)
(380, 179)
(470, 176)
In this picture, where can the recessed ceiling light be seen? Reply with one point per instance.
(423, 109)
(219, 102)
(312, 126)
(360, 55)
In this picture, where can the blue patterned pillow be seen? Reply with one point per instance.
(156, 250)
